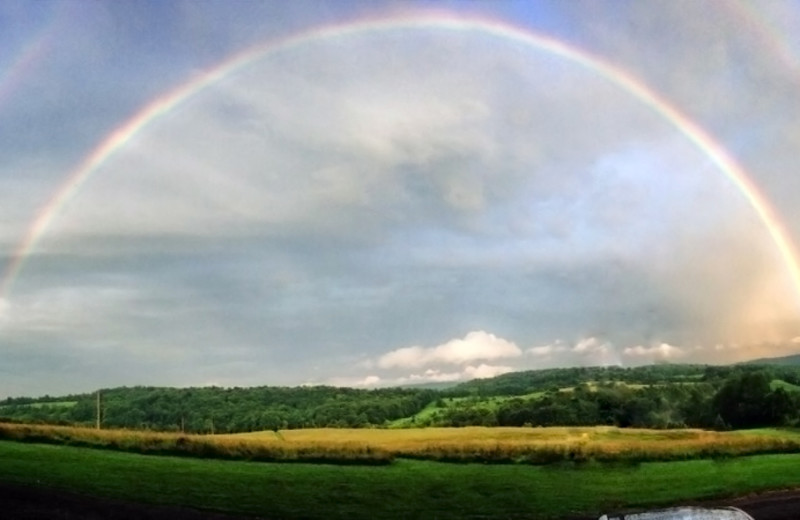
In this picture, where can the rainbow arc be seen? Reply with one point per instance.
(117, 139)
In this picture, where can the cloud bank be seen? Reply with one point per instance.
(475, 346)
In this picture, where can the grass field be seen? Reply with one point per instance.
(425, 415)
(780, 383)
(406, 489)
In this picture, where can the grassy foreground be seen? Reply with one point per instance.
(405, 489)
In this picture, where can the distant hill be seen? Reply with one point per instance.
(530, 381)
(793, 360)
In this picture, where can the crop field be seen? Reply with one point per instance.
(536, 446)
(543, 445)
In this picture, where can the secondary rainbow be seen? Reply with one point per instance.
(31, 54)
(715, 152)
(752, 17)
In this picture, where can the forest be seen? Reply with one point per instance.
(656, 396)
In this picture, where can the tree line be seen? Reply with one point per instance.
(658, 396)
(227, 410)
(744, 399)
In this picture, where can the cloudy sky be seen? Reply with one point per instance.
(378, 193)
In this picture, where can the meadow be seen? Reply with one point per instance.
(404, 489)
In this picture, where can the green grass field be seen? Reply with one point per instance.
(406, 489)
(780, 383)
(54, 404)
(427, 414)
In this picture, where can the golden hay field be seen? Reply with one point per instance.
(542, 444)
(472, 444)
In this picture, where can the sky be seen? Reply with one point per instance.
(390, 193)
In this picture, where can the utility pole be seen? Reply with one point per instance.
(98, 409)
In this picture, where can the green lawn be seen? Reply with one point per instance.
(406, 489)
(780, 383)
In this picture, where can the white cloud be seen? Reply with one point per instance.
(405, 357)
(370, 381)
(547, 350)
(589, 351)
(354, 382)
(662, 352)
(475, 346)
(484, 371)
(591, 345)
(433, 375)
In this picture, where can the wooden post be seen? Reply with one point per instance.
(98, 409)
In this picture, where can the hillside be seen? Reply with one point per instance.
(793, 360)
(521, 383)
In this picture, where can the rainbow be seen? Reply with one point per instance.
(15, 72)
(772, 38)
(715, 152)
(29, 56)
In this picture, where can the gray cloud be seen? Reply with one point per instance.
(349, 198)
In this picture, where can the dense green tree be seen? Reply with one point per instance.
(746, 400)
